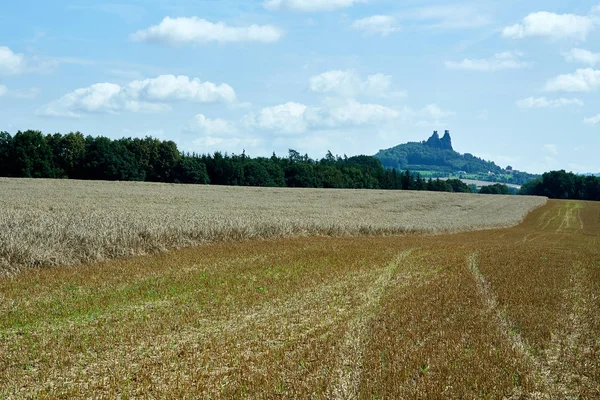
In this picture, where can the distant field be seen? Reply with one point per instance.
(480, 184)
(497, 314)
(64, 222)
(469, 179)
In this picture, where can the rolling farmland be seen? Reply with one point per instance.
(498, 313)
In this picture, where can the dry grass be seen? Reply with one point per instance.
(50, 222)
(510, 313)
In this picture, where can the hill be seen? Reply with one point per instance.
(436, 157)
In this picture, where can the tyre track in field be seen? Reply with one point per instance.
(568, 341)
(350, 360)
(544, 376)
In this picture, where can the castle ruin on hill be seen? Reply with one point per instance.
(445, 143)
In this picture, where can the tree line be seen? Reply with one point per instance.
(31, 154)
(564, 185)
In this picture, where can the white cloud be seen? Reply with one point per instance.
(295, 118)
(500, 61)
(551, 25)
(582, 56)
(355, 113)
(447, 17)
(174, 31)
(582, 80)
(377, 24)
(349, 84)
(309, 5)
(592, 120)
(543, 102)
(11, 63)
(212, 126)
(380, 85)
(551, 148)
(3, 90)
(219, 135)
(181, 88)
(287, 118)
(148, 95)
(100, 97)
(345, 83)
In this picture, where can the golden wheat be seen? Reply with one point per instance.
(60, 222)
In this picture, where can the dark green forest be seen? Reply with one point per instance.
(31, 154)
(564, 185)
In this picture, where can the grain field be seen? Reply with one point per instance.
(64, 222)
(509, 313)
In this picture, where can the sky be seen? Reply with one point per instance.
(515, 82)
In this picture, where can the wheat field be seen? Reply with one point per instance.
(66, 222)
(496, 314)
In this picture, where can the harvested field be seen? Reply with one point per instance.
(53, 222)
(497, 314)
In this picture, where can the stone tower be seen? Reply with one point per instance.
(447, 141)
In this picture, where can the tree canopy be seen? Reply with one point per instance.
(31, 154)
(564, 185)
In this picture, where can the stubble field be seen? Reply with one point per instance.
(501, 313)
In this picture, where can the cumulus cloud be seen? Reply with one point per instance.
(582, 80)
(149, 95)
(551, 25)
(543, 102)
(345, 83)
(309, 5)
(176, 31)
(218, 134)
(377, 24)
(295, 118)
(182, 88)
(287, 118)
(500, 61)
(3, 90)
(355, 113)
(210, 126)
(592, 120)
(349, 84)
(582, 56)
(100, 97)
(10, 62)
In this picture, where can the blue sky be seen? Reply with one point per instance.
(515, 82)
